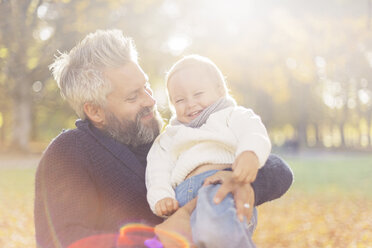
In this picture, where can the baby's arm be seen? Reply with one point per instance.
(158, 182)
(253, 146)
(166, 206)
(245, 167)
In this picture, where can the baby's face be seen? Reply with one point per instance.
(191, 91)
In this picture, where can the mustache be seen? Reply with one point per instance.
(145, 111)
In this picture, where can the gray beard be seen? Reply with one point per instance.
(133, 133)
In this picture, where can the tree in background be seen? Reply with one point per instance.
(305, 70)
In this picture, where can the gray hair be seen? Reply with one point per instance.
(79, 74)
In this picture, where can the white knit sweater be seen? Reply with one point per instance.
(180, 149)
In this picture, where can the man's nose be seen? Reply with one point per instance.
(149, 100)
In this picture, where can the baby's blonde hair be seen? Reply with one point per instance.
(199, 62)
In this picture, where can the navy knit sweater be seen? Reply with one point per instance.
(88, 184)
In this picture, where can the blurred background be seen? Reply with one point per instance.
(304, 66)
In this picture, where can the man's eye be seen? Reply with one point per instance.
(131, 99)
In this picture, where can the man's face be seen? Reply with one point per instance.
(130, 114)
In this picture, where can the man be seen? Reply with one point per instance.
(91, 180)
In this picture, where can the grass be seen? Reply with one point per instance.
(16, 208)
(17, 181)
(329, 204)
(348, 175)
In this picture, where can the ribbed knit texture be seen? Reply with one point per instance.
(222, 103)
(88, 184)
(181, 149)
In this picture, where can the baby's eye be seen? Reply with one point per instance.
(198, 93)
(179, 100)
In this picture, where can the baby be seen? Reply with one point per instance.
(208, 133)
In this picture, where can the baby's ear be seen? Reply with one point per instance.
(221, 90)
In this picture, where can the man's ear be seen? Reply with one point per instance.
(95, 114)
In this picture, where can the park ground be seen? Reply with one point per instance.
(328, 205)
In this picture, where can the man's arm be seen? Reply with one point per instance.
(272, 181)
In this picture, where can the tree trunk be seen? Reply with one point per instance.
(21, 116)
(317, 135)
(342, 134)
(303, 109)
(369, 123)
(344, 119)
(2, 132)
(21, 93)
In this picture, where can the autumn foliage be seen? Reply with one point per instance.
(329, 205)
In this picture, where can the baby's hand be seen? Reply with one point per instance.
(166, 206)
(245, 167)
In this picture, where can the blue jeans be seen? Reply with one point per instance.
(214, 225)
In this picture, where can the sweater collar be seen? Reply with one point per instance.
(222, 103)
(117, 149)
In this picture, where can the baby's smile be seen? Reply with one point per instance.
(194, 114)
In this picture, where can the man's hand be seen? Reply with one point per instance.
(166, 206)
(179, 224)
(245, 167)
(243, 193)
